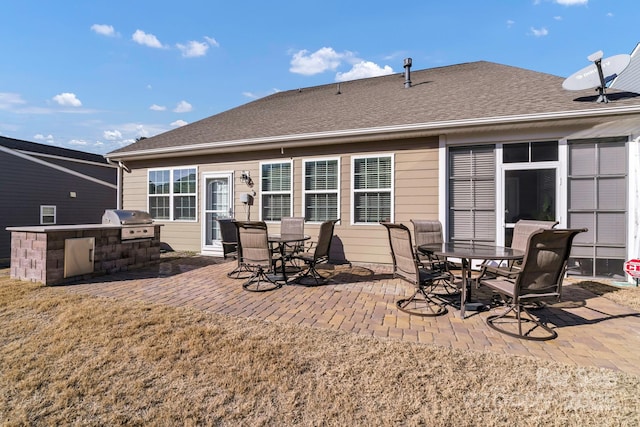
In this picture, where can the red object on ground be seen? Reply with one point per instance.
(632, 268)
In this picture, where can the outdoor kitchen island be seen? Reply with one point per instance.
(56, 254)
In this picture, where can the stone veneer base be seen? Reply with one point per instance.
(37, 253)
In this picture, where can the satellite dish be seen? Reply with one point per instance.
(598, 74)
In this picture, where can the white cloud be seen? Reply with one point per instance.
(137, 130)
(145, 39)
(104, 30)
(363, 70)
(155, 107)
(41, 137)
(179, 123)
(558, 18)
(142, 131)
(610, 15)
(572, 2)
(327, 59)
(183, 107)
(8, 100)
(67, 99)
(252, 95)
(317, 62)
(79, 142)
(213, 42)
(539, 32)
(193, 49)
(510, 23)
(112, 135)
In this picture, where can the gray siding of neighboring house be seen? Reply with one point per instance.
(26, 185)
(102, 173)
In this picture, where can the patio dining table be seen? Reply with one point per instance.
(282, 240)
(467, 253)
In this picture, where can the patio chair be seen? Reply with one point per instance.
(521, 232)
(539, 279)
(407, 267)
(292, 225)
(255, 255)
(229, 237)
(429, 232)
(319, 253)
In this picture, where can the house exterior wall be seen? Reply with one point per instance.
(26, 185)
(416, 189)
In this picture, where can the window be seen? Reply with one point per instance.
(47, 215)
(276, 190)
(541, 151)
(472, 194)
(172, 194)
(597, 200)
(321, 178)
(372, 189)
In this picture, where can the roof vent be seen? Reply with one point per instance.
(407, 72)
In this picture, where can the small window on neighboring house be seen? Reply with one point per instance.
(276, 190)
(47, 215)
(172, 194)
(321, 182)
(372, 185)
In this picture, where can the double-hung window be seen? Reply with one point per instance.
(172, 194)
(321, 183)
(372, 185)
(276, 190)
(47, 215)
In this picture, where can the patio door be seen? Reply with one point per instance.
(218, 203)
(530, 176)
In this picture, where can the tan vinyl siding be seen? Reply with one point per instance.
(181, 236)
(135, 188)
(415, 192)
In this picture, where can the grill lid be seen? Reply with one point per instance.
(126, 217)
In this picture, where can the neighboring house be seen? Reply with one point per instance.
(476, 145)
(42, 184)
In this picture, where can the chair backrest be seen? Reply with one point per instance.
(325, 236)
(545, 261)
(405, 264)
(228, 234)
(292, 225)
(427, 232)
(524, 228)
(253, 243)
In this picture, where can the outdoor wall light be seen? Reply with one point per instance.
(246, 178)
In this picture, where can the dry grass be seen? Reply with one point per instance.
(628, 296)
(69, 359)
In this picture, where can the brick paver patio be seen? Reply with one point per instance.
(592, 331)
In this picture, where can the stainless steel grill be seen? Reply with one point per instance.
(135, 224)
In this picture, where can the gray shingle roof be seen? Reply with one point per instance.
(467, 91)
(34, 147)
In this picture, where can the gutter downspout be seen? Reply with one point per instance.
(121, 166)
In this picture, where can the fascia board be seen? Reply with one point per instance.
(363, 134)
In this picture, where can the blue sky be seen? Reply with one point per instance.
(95, 75)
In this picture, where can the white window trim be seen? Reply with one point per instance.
(262, 192)
(42, 214)
(305, 191)
(172, 194)
(392, 191)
